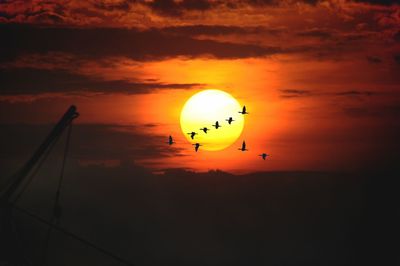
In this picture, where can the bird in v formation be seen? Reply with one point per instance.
(217, 125)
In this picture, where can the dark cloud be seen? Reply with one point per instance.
(48, 18)
(291, 93)
(89, 142)
(45, 12)
(396, 36)
(116, 5)
(374, 59)
(277, 2)
(397, 58)
(131, 43)
(175, 8)
(193, 30)
(354, 93)
(316, 33)
(379, 2)
(14, 81)
(351, 37)
(102, 12)
(124, 143)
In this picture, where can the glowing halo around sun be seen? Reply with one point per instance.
(203, 109)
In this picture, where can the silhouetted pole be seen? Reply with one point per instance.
(19, 177)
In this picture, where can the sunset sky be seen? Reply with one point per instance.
(321, 80)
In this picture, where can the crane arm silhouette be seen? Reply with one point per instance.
(15, 182)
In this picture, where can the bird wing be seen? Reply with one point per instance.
(244, 109)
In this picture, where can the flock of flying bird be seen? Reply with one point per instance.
(217, 125)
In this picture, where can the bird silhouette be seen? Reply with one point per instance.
(263, 155)
(230, 120)
(243, 148)
(216, 125)
(196, 146)
(170, 140)
(192, 134)
(244, 111)
(205, 129)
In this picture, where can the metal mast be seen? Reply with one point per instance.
(15, 182)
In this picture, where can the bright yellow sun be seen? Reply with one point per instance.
(202, 110)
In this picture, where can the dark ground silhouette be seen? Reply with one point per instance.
(215, 218)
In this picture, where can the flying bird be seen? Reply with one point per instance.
(216, 125)
(196, 146)
(244, 111)
(192, 134)
(243, 148)
(263, 155)
(230, 120)
(205, 129)
(170, 141)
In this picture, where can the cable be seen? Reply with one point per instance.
(56, 213)
(15, 200)
(56, 204)
(57, 208)
(32, 175)
(35, 171)
(72, 235)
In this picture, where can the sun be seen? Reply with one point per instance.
(203, 109)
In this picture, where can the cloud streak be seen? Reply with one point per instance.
(131, 43)
(90, 142)
(17, 81)
(293, 93)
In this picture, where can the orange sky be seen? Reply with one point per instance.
(320, 78)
